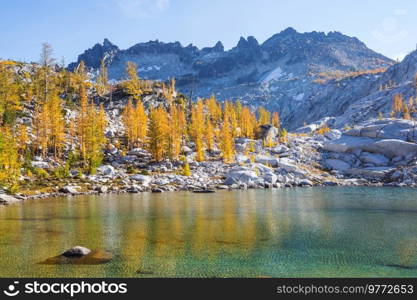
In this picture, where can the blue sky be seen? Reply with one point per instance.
(389, 27)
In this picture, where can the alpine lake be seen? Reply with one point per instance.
(294, 232)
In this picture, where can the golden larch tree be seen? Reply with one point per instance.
(57, 125)
(276, 120)
(176, 130)
(158, 133)
(264, 116)
(9, 158)
(130, 124)
(142, 121)
(132, 85)
(227, 141)
(94, 137)
(214, 109)
(398, 105)
(41, 126)
(210, 134)
(9, 93)
(197, 129)
(248, 123)
(102, 81)
(22, 138)
(82, 120)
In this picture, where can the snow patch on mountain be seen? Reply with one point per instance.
(274, 75)
(299, 97)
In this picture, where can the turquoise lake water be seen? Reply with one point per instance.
(302, 232)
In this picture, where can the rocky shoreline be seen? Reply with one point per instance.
(6, 199)
(376, 153)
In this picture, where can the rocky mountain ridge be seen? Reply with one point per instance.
(283, 73)
(317, 50)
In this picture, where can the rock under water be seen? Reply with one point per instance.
(95, 257)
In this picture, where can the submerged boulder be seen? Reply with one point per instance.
(79, 255)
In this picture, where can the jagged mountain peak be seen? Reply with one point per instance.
(219, 46)
(280, 73)
(245, 44)
(290, 35)
(108, 44)
(92, 57)
(216, 48)
(333, 49)
(288, 31)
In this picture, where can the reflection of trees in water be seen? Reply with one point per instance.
(205, 227)
(173, 231)
(407, 252)
(146, 230)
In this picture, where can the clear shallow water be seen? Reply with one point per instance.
(308, 232)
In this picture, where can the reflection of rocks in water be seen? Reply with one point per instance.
(71, 217)
(89, 257)
(48, 218)
(29, 219)
(204, 191)
(50, 232)
(144, 272)
(404, 267)
(227, 242)
(155, 242)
